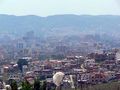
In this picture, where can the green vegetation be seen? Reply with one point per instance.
(26, 86)
(42, 85)
(44, 57)
(59, 56)
(54, 57)
(14, 85)
(107, 86)
(38, 85)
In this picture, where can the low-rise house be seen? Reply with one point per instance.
(89, 62)
(110, 75)
(44, 73)
(109, 64)
(98, 78)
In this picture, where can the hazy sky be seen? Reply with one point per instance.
(52, 7)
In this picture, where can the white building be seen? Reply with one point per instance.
(89, 62)
(118, 56)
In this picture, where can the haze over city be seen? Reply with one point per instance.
(59, 45)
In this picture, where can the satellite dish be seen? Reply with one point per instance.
(57, 78)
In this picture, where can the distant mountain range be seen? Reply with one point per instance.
(60, 24)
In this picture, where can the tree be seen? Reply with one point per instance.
(44, 85)
(59, 56)
(26, 86)
(14, 85)
(37, 85)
